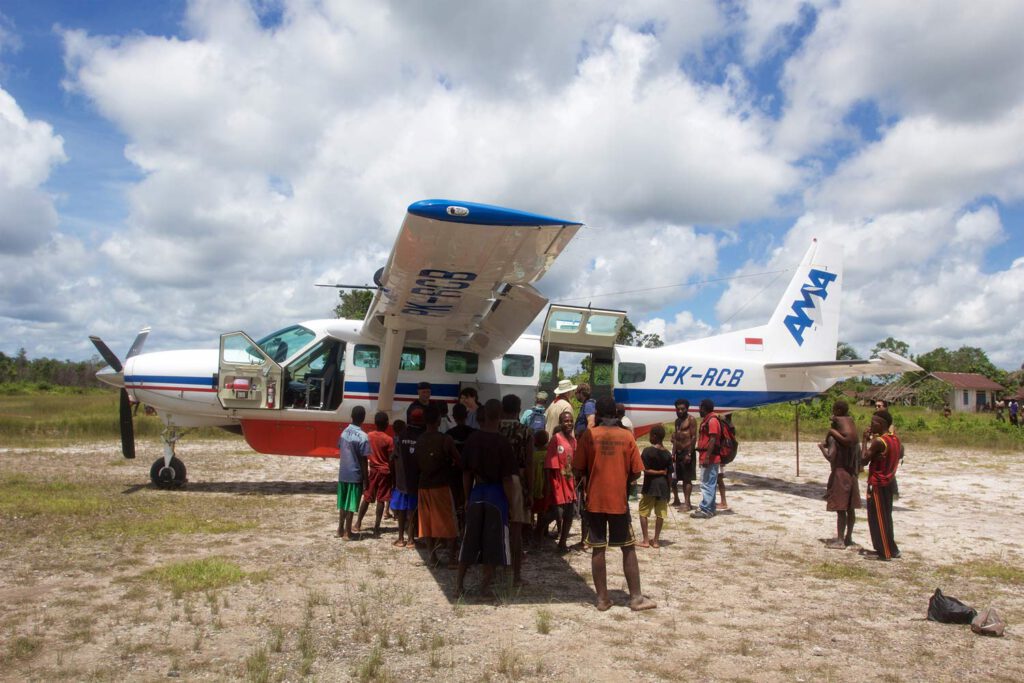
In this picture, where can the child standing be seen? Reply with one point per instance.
(655, 492)
(379, 489)
(559, 484)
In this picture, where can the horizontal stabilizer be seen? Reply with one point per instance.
(887, 363)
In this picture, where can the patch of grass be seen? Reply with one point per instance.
(30, 506)
(987, 569)
(276, 639)
(21, 648)
(174, 523)
(839, 571)
(198, 575)
(543, 621)
(372, 668)
(257, 666)
(81, 628)
(26, 497)
(510, 662)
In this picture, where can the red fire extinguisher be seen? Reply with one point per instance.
(271, 390)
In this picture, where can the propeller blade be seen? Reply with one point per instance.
(136, 348)
(108, 355)
(127, 428)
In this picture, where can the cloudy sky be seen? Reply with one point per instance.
(198, 166)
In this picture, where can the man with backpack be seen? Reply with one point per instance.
(535, 417)
(708, 446)
(588, 409)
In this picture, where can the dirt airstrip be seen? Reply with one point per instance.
(89, 554)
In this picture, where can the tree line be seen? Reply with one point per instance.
(19, 369)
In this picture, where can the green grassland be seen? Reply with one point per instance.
(913, 424)
(36, 415)
(88, 510)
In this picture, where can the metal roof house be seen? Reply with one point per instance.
(968, 391)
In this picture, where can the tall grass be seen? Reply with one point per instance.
(913, 424)
(31, 415)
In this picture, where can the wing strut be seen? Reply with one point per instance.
(390, 360)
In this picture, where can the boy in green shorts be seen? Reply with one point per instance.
(655, 492)
(353, 451)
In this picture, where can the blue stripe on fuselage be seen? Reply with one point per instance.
(723, 399)
(436, 390)
(167, 379)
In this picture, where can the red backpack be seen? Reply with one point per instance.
(727, 443)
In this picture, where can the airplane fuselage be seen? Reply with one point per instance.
(185, 387)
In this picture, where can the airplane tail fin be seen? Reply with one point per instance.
(805, 324)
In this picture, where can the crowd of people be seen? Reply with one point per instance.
(475, 487)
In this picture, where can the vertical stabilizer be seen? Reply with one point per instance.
(805, 324)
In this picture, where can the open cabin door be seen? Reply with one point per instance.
(247, 376)
(573, 330)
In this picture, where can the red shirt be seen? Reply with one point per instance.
(561, 451)
(610, 457)
(381, 446)
(709, 426)
(882, 470)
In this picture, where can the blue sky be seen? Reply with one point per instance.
(198, 166)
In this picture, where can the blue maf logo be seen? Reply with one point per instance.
(800, 320)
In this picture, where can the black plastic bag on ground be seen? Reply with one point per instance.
(949, 610)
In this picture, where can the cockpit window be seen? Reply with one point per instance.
(283, 343)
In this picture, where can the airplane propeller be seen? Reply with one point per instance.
(127, 427)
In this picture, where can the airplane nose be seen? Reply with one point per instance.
(109, 376)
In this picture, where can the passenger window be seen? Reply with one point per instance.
(366, 356)
(630, 373)
(515, 365)
(412, 359)
(461, 362)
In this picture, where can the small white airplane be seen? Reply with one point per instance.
(451, 308)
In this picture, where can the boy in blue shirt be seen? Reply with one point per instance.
(353, 451)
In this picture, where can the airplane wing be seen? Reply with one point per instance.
(461, 276)
(887, 363)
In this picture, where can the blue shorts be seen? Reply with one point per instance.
(402, 501)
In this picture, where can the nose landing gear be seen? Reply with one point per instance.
(168, 471)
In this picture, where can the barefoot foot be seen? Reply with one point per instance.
(641, 603)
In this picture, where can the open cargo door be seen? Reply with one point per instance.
(576, 330)
(573, 328)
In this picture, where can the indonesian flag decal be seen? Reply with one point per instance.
(754, 343)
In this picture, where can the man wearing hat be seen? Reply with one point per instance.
(559, 405)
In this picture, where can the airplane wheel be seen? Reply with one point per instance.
(167, 477)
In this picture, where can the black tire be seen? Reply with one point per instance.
(168, 478)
